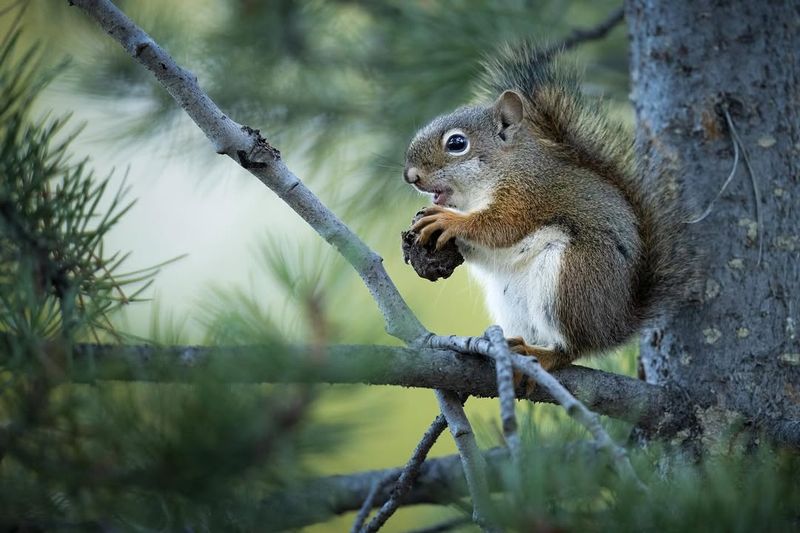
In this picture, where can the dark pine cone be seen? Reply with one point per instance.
(426, 260)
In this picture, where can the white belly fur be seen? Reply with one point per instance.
(520, 283)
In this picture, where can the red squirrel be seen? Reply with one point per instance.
(546, 202)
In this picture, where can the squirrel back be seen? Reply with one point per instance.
(578, 130)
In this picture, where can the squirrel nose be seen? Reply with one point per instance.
(411, 175)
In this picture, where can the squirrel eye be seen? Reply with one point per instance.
(456, 142)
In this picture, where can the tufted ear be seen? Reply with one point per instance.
(509, 110)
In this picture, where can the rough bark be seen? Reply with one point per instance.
(734, 350)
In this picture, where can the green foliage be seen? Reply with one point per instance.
(158, 457)
(287, 64)
(54, 274)
(105, 454)
(565, 484)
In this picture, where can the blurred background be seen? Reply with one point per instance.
(339, 87)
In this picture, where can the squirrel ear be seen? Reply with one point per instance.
(509, 107)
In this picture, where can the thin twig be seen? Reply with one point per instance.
(505, 389)
(737, 147)
(123, 297)
(582, 35)
(369, 502)
(590, 420)
(441, 482)
(409, 474)
(530, 367)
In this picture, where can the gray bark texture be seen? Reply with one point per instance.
(734, 349)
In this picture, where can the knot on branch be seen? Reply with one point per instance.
(259, 153)
(141, 47)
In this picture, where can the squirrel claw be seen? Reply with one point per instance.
(438, 219)
(433, 209)
(446, 236)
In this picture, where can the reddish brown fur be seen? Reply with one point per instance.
(565, 165)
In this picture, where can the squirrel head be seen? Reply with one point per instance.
(460, 157)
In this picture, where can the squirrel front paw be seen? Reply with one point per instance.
(436, 218)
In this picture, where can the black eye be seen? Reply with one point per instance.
(456, 144)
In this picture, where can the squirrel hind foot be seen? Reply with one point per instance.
(549, 357)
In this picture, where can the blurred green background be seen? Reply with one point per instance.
(339, 87)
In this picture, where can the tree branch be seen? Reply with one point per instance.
(371, 500)
(530, 367)
(254, 153)
(247, 147)
(452, 408)
(440, 481)
(610, 394)
(406, 479)
(472, 461)
(505, 389)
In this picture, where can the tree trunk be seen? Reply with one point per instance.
(734, 350)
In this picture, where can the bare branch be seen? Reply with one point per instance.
(614, 395)
(505, 389)
(247, 147)
(440, 481)
(471, 459)
(530, 367)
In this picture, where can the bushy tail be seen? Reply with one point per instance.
(579, 129)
